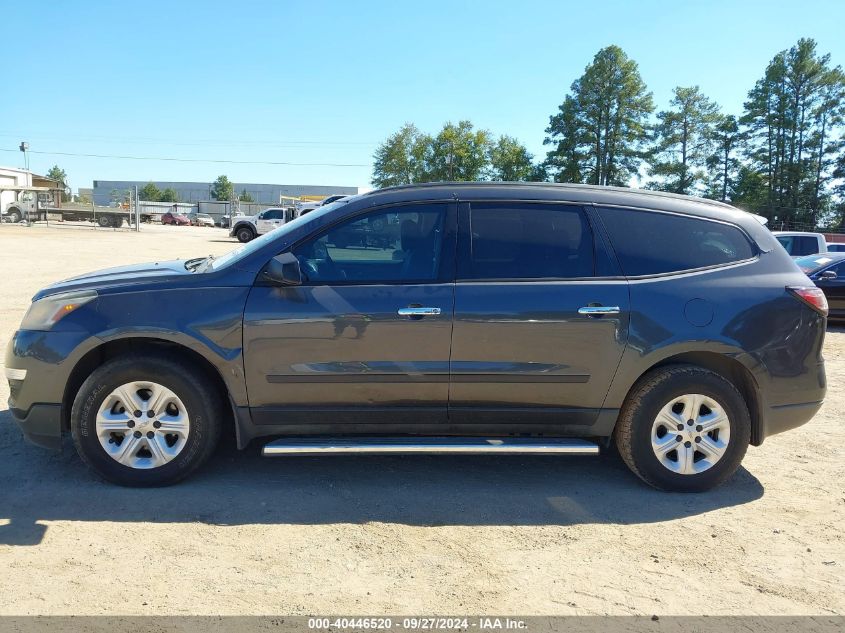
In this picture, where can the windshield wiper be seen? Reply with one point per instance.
(205, 264)
(195, 263)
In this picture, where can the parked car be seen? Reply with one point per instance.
(175, 218)
(827, 271)
(500, 318)
(224, 221)
(798, 243)
(200, 219)
(835, 247)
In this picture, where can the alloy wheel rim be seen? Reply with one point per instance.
(142, 425)
(690, 434)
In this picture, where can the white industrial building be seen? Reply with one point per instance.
(12, 177)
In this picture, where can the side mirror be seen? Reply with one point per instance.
(828, 275)
(283, 270)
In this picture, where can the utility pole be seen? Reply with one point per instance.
(25, 148)
(137, 210)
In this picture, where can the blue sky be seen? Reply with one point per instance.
(325, 82)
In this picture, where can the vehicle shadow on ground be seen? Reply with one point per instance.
(240, 487)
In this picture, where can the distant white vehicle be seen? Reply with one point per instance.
(836, 247)
(200, 219)
(331, 199)
(248, 227)
(798, 243)
(305, 207)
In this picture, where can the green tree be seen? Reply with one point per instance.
(539, 173)
(245, 196)
(602, 125)
(458, 153)
(222, 189)
(683, 141)
(150, 192)
(169, 195)
(568, 160)
(723, 164)
(510, 160)
(59, 175)
(827, 149)
(790, 115)
(750, 191)
(118, 197)
(400, 160)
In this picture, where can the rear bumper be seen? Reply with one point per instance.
(41, 425)
(785, 417)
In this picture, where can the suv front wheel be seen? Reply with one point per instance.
(145, 421)
(683, 428)
(245, 234)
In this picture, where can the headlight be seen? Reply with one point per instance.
(45, 313)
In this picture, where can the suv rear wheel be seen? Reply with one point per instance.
(145, 420)
(683, 428)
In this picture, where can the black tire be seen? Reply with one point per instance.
(104, 221)
(645, 400)
(190, 384)
(245, 234)
(15, 216)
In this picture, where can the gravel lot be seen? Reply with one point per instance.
(404, 535)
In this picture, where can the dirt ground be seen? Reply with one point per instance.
(404, 535)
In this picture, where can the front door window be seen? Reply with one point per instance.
(394, 246)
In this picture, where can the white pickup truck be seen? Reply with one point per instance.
(798, 243)
(248, 227)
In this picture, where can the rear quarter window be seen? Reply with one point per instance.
(651, 243)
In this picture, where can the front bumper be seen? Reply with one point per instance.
(41, 425)
(37, 369)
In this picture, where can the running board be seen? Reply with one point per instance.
(401, 445)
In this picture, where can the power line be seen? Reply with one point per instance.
(193, 160)
(195, 142)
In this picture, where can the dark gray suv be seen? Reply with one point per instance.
(451, 318)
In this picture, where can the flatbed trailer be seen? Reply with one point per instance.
(102, 216)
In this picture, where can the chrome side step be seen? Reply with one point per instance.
(434, 445)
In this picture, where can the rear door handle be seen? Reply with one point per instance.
(419, 311)
(598, 310)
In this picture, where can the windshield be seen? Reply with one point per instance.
(812, 263)
(260, 242)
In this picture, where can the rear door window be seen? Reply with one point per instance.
(652, 243)
(526, 241)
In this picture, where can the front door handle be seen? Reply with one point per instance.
(418, 311)
(598, 310)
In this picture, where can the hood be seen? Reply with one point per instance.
(135, 274)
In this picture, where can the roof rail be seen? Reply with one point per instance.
(560, 185)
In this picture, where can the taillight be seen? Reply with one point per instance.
(812, 296)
